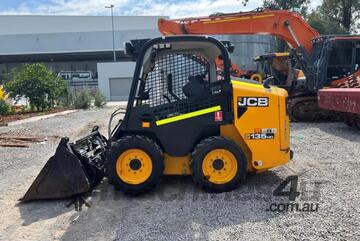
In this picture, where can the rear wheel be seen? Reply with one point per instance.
(218, 165)
(135, 164)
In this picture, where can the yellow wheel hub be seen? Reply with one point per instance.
(256, 77)
(134, 166)
(219, 166)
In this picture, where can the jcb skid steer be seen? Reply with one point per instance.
(183, 117)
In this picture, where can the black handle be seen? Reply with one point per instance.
(266, 82)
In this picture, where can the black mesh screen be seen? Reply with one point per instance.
(167, 78)
(177, 67)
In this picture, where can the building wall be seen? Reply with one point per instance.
(25, 38)
(43, 24)
(119, 71)
(68, 34)
(57, 66)
(70, 42)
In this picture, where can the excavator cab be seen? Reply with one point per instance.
(341, 58)
(334, 62)
(273, 64)
(281, 67)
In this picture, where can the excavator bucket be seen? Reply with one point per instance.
(74, 169)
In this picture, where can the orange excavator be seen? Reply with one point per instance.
(327, 61)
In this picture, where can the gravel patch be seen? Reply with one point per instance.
(326, 161)
(20, 166)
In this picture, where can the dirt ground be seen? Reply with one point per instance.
(24, 115)
(326, 161)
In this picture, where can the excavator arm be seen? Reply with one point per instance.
(286, 25)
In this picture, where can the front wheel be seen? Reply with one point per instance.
(135, 164)
(218, 164)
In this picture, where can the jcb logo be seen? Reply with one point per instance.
(253, 101)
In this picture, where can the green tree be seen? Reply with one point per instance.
(323, 24)
(300, 6)
(343, 13)
(36, 82)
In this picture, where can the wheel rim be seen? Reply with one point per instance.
(256, 77)
(219, 166)
(134, 166)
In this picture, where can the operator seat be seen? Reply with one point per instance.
(196, 87)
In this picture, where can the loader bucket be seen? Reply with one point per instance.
(74, 169)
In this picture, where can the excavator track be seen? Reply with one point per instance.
(352, 120)
(306, 109)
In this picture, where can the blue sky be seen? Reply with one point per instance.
(172, 8)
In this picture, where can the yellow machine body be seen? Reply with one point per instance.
(261, 154)
(184, 117)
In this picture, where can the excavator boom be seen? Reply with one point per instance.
(286, 25)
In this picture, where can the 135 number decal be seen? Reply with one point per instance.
(260, 136)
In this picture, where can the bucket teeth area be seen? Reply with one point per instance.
(74, 169)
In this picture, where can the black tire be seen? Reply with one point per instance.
(296, 112)
(200, 152)
(135, 142)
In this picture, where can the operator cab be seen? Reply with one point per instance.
(282, 68)
(344, 59)
(338, 62)
(176, 78)
(172, 73)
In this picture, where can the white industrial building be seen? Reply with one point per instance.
(74, 43)
(80, 47)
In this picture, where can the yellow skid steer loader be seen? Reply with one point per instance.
(184, 116)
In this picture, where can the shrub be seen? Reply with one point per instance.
(100, 99)
(82, 99)
(67, 100)
(36, 82)
(5, 107)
